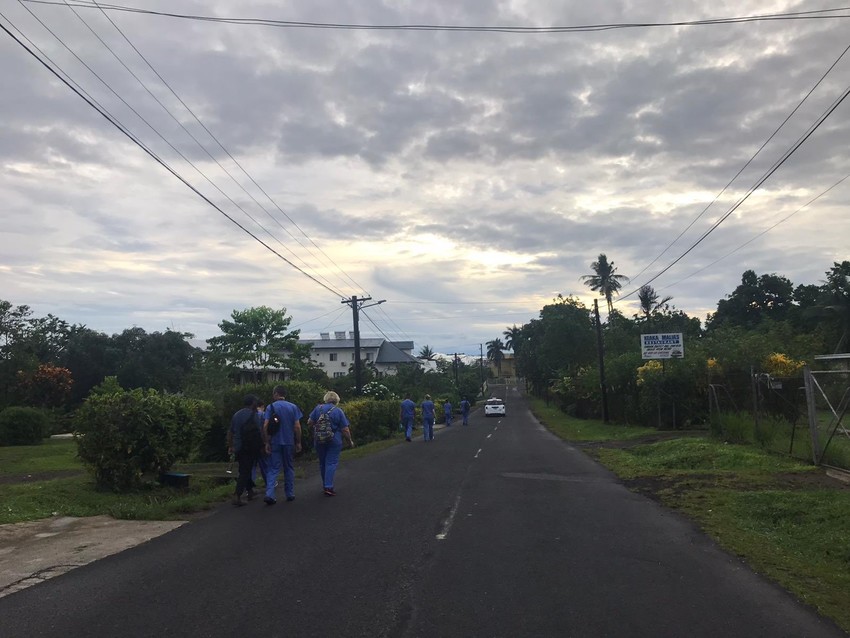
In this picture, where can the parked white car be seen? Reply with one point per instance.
(494, 407)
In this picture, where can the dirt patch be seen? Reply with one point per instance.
(643, 440)
(48, 475)
(665, 488)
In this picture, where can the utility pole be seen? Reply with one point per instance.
(356, 306)
(602, 384)
(481, 366)
(457, 384)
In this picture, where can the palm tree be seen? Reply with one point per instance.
(605, 279)
(649, 302)
(512, 338)
(426, 353)
(494, 353)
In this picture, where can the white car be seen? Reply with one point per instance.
(494, 407)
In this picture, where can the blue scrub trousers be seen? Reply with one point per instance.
(408, 428)
(428, 426)
(466, 418)
(281, 457)
(328, 454)
(448, 419)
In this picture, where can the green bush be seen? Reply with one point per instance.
(372, 420)
(124, 436)
(304, 394)
(22, 426)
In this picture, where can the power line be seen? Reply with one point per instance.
(761, 234)
(820, 14)
(105, 114)
(744, 167)
(150, 126)
(800, 141)
(220, 145)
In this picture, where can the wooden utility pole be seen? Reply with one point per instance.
(599, 347)
(356, 304)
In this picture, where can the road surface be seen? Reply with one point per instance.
(498, 529)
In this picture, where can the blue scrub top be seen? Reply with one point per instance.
(428, 409)
(288, 413)
(408, 409)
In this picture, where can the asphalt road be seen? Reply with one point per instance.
(498, 529)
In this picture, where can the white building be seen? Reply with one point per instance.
(336, 355)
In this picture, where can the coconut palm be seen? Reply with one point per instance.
(605, 279)
(494, 353)
(512, 338)
(426, 353)
(649, 301)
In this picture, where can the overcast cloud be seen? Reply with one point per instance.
(466, 178)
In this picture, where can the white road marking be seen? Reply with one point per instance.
(447, 524)
(477, 453)
(489, 435)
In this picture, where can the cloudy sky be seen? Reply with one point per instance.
(465, 177)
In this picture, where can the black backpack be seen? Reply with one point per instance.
(274, 422)
(252, 438)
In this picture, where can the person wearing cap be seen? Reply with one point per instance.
(328, 453)
(428, 418)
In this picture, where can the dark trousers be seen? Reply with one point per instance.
(246, 461)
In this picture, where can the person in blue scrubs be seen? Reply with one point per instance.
(328, 453)
(406, 416)
(464, 410)
(263, 462)
(283, 445)
(447, 410)
(428, 418)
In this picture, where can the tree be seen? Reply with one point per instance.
(605, 279)
(426, 353)
(836, 301)
(649, 301)
(513, 338)
(756, 299)
(257, 338)
(494, 353)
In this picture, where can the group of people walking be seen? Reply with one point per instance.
(268, 440)
(407, 416)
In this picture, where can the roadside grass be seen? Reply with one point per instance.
(51, 456)
(78, 496)
(779, 513)
(573, 429)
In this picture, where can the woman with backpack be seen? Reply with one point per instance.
(330, 428)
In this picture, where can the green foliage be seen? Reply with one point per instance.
(371, 420)
(50, 456)
(305, 394)
(375, 390)
(605, 279)
(258, 338)
(22, 426)
(124, 436)
(109, 385)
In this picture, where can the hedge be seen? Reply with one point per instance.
(124, 436)
(22, 426)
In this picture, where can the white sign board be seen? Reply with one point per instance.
(662, 346)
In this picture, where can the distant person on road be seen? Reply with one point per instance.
(282, 445)
(245, 442)
(406, 416)
(447, 409)
(464, 410)
(428, 418)
(328, 453)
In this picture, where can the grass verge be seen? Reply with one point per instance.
(572, 429)
(782, 515)
(77, 495)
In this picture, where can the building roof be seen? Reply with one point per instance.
(336, 344)
(391, 353)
